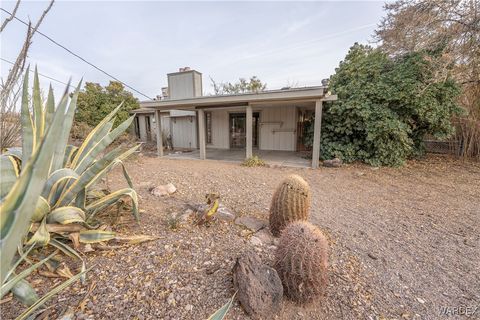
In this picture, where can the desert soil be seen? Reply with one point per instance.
(405, 243)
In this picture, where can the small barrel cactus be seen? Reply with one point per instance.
(301, 261)
(290, 202)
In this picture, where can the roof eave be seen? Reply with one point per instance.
(260, 97)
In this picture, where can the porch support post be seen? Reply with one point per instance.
(316, 133)
(158, 125)
(201, 134)
(249, 120)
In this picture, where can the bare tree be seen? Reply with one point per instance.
(10, 89)
(451, 28)
(241, 86)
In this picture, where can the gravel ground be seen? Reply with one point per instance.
(405, 243)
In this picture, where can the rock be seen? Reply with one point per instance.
(178, 220)
(68, 315)
(186, 216)
(188, 307)
(259, 287)
(333, 163)
(146, 185)
(256, 241)
(265, 236)
(163, 190)
(251, 223)
(171, 299)
(225, 214)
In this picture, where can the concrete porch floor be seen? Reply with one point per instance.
(281, 158)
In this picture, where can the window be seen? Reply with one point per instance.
(208, 126)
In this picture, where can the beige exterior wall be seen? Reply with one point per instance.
(276, 130)
(220, 131)
(184, 132)
(182, 85)
(197, 84)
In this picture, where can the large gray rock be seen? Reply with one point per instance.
(265, 236)
(251, 223)
(224, 214)
(259, 287)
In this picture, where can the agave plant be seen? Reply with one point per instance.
(19, 198)
(45, 185)
(73, 171)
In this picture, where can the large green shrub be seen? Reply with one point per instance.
(96, 102)
(385, 107)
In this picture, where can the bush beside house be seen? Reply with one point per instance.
(385, 107)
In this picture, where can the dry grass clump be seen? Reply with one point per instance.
(254, 161)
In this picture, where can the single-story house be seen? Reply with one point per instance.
(265, 120)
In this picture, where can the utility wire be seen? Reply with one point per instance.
(79, 57)
(42, 75)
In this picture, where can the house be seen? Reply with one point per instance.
(268, 120)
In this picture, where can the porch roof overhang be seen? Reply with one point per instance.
(235, 100)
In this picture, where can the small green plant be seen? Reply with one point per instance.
(254, 161)
(301, 261)
(173, 221)
(290, 202)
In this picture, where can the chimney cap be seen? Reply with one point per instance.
(184, 69)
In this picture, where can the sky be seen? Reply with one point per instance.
(282, 43)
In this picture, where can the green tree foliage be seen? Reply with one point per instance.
(385, 107)
(96, 102)
(241, 86)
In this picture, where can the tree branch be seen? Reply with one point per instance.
(7, 20)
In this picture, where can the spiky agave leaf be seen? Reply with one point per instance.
(9, 171)
(23, 291)
(17, 205)
(27, 312)
(112, 198)
(66, 215)
(91, 174)
(13, 279)
(222, 312)
(95, 136)
(94, 236)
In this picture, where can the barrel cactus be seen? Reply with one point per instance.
(301, 261)
(290, 202)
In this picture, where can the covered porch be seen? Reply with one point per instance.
(271, 157)
(269, 124)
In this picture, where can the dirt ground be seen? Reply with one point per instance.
(405, 243)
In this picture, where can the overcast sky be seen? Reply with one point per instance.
(283, 43)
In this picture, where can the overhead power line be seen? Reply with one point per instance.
(79, 57)
(42, 75)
